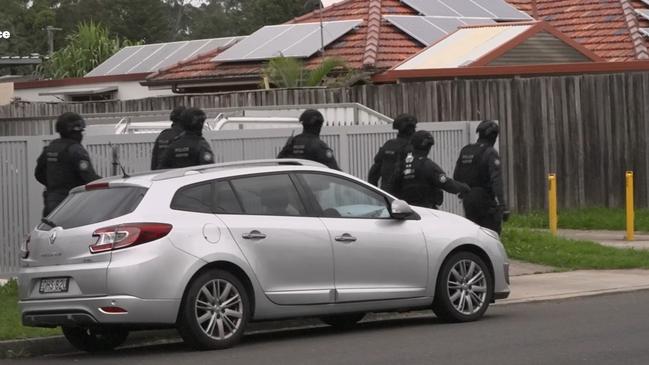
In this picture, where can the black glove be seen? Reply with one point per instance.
(465, 189)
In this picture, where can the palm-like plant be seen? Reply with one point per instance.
(88, 47)
(284, 72)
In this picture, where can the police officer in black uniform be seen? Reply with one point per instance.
(167, 136)
(308, 145)
(387, 161)
(189, 148)
(479, 167)
(422, 180)
(64, 164)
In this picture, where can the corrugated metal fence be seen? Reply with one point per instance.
(354, 148)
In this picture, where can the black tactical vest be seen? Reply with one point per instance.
(394, 153)
(61, 169)
(415, 189)
(470, 168)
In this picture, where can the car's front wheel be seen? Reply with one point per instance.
(215, 311)
(464, 288)
(95, 339)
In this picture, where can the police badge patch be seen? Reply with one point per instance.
(84, 165)
(497, 162)
(207, 157)
(443, 179)
(330, 154)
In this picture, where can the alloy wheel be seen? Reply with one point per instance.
(219, 309)
(467, 287)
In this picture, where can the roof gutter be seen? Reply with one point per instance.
(510, 71)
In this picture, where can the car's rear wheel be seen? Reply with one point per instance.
(343, 321)
(215, 311)
(95, 339)
(464, 288)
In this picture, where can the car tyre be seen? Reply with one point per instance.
(464, 288)
(215, 311)
(95, 339)
(343, 321)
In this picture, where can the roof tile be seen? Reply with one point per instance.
(599, 25)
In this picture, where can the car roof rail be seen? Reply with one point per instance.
(175, 173)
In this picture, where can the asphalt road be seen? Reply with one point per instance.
(612, 329)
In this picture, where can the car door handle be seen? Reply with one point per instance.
(346, 238)
(253, 235)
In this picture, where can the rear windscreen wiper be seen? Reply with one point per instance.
(48, 222)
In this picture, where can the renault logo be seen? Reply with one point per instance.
(52, 237)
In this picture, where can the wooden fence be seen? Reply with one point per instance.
(589, 129)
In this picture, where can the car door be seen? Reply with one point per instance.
(289, 252)
(375, 257)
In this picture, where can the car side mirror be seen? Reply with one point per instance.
(400, 210)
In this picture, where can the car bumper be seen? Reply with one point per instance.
(87, 311)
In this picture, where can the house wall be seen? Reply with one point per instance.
(541, 49)
(588, 129)
(126, 90)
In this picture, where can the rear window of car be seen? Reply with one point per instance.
(94, 206)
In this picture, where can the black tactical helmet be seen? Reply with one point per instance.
(69, 123)
(311, 118)
(422, 140)
(404, 122)
(192, 119)
(176, 113)
(488, 129)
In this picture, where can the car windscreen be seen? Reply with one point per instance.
(94, 206)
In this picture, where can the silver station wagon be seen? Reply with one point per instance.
(209, 249)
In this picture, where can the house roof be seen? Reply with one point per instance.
(374, 44)
(510, 43)
(610, 28)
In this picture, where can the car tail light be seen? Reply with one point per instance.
(24, 250)
(96, 186)
(126, 235)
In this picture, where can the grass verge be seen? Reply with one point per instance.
(543, 248)
(10, 322)
(589, 218)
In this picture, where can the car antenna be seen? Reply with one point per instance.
(116, 161)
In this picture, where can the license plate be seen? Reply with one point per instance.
(55, 285)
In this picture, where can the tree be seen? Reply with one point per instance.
(86, 49)
(146, 20)
(284, 72)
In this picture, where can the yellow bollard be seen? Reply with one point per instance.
(630, 212)
(552, 204)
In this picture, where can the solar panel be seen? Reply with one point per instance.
(449, 25)
(502, 10)
(418, 28)
(495, 9)
(289, 40)
(157, 57)
(431, 7)
(430, 29)
(152, 57)
(467, 8)
(113, 61)
(643, 13)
